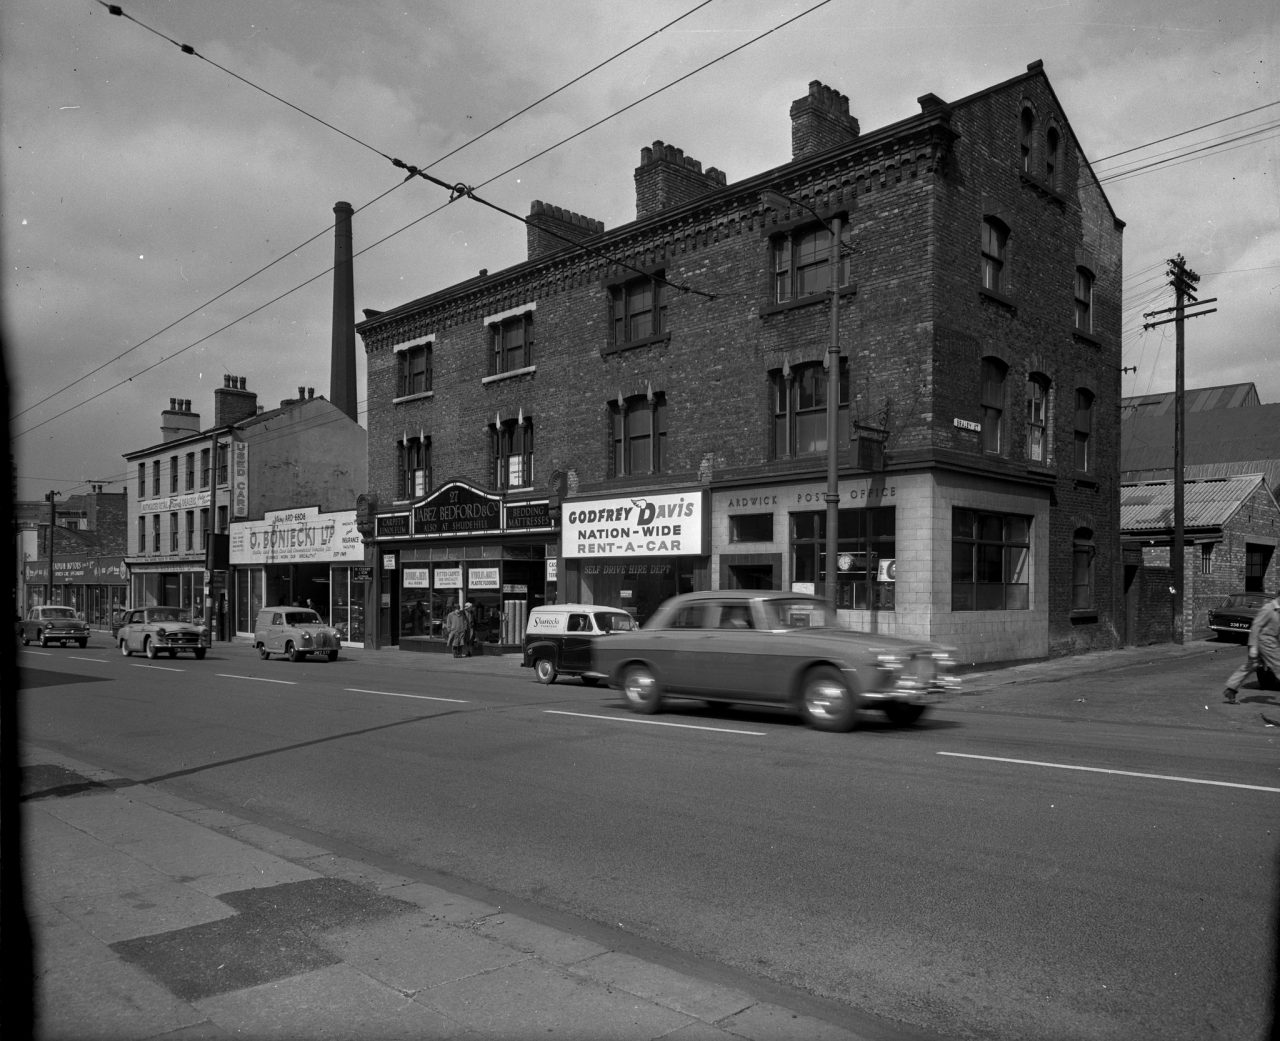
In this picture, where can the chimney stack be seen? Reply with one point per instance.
(232, 402)
(666, 177)
(178, 420)
(549, 226)
(342, 359)
(820, 121)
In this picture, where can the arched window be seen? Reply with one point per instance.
(1026, 135)
(1052, 157)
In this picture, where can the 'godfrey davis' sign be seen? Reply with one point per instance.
(638, 526)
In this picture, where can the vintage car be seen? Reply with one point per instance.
(755, 647)
(1231, 619)
(53, 623)
(155, 630)
(558, 639)
(295, 632)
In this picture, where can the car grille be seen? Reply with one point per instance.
(183, 639)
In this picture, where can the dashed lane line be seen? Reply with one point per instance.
(255, 679)
(656, 723)
(1117, 773)
(396, 694)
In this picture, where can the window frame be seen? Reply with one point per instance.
(623, 314)
(976, 549)
(624, 440)
(1082, 457)
(785, 417)
(414, 481)
(414, 374)
(511, 442)
(801, 252)
(1082, 320)
(205, 473)
(500, 353)
(995, 256)
(1039, 419)
(995, 406)
(1084, 552)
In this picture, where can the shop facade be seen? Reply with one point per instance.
(462, 544)
(300, 557)
(95, 586)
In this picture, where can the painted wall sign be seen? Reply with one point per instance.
(175, 503)
(639, 526)
(297, 537)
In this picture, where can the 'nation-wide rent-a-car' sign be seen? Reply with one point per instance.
(636, 526)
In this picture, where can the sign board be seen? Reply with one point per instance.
(457, 509)
(483, 578)
(301, 536)
(639, 526)
(527, 516)
(417, 578)
(448, 578)
(392, 525)
(968, 424)
(888, 570)
(239, 479)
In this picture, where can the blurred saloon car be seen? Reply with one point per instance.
(53, 623)
(775, 648)
(153, 630)
(1231, 619)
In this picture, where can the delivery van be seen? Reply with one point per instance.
(558, 638)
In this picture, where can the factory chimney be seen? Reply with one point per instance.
(342, 360)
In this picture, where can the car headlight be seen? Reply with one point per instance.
(159, 632)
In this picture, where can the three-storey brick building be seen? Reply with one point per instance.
(642, 410)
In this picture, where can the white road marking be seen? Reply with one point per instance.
(76, 657)
(1119, 773)
(256, 679)
(394, 694)
(656, 723)
(162, 668)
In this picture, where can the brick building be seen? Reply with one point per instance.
(637, 411)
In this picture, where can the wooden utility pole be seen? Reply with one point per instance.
(53, 523)
(1183, 281)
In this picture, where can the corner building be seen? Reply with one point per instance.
(636, 412)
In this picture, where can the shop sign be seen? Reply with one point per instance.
(362, 574)
(448, 578)
(388, 562)
(526, 516)
(239, 479)
(457, 509)
(553, 569)
(515, 589)
(393, 526)
(641, 526)
(175, 503)
(417, 578)
(85, 571)
(483, 578)
(297, 537)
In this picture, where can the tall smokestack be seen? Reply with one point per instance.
(342, 360)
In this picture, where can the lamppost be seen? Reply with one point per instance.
(776, 200)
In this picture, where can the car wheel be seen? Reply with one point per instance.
(149, 648)
(26, 640)
(545, 669)
(200, 653)
(83, 644)
(333, 655)
(263, 653)
(41, 639)
(124, 649)
(292, 653)
(826, 700)
(641, 688)
(902, 714)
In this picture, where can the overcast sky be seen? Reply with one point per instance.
(139, 183)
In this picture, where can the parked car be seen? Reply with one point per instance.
(1231, 619)
(53, 623)
(152, 630)
(773, 648)
(295, 632)
(558, 639)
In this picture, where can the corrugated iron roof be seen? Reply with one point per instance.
(1200, 399)
(1219, 436)
(1206, 504)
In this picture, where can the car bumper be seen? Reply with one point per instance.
(65, 634)
(180, 643)
(1230, 628)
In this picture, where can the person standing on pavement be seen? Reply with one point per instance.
(469, 613)
(456, 630)
(1264, 647)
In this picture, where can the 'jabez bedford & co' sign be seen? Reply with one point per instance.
(457, 510)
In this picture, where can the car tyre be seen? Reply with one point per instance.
(200, 653)
(43, 642)
(26, 640)
(292, 653)
(83, 643)
(333, 655)
(903, 714)
(641, 689)
(124, 649)
(826, 700)
(149, 648)
(545, 669)
(263, 653)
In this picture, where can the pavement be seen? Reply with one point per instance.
(155, 917)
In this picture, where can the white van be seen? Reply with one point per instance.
(558, 638)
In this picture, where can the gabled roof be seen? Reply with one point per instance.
(1206, 504)
(1202, 399)
(1213, 436)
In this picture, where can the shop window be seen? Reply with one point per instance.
(512, 344)
(990, 561)
(864, 539)
(995, 242)
(414, 468)
(1083, 553)
(1083, 429)
(1038, 430)
(751, 527)
(415, 369)
(638, 428)
(512, 454)
(799, 405)
(637, 310)
(994, 371)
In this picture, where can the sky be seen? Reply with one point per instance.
(166, 221)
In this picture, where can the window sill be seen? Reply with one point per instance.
(1089, 617)
(806, 301)
(998, 299)
(646, 341)
(1080, 336)
(413, 397)
(1044, 188)
(1085, 480)
(498, 377)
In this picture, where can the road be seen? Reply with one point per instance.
(1010, 868)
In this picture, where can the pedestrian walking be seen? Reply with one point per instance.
(469, 612)
(456, 630)
(1264, 648)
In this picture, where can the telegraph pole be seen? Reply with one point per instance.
(53, 521)
(1183, 281)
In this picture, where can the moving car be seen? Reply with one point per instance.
(295, 632)
(558, 639)
(53, 623)
(1231, 619)
(152, 630)
(760, 647)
